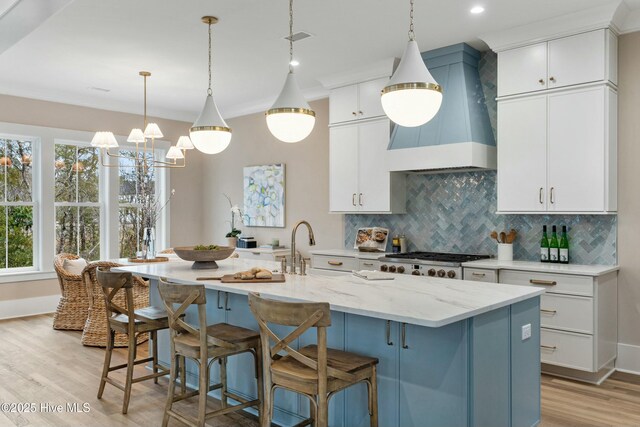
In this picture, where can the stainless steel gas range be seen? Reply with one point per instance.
(432, 264)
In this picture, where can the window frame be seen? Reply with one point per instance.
(36, 164)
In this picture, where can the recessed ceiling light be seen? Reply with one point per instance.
(294, 63)
(477, 9)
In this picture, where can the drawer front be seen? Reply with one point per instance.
(255, 255)
(368, 264)
(566, 349)
(554, 283)
(338, 263)
(567, 312)
(480, 275)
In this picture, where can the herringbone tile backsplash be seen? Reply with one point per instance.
(455, 212)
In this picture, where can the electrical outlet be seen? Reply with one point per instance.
(526, 331)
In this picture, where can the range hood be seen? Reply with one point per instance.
(460, 136)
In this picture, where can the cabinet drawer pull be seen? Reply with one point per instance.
(336, 263)
(548, 347)
(219, 306)
(389, 342)
(360, 199)
(226, 301)
(552, 312)
(368, 264)
(540, 196)
(543, 282)
(551, 199)
(255, 253)
(478, 274)
(353, 199)
(541, 81)
(404, 336)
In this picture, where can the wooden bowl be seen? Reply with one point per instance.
(204, 259)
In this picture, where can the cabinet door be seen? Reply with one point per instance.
(343, 104)
(369, 104)
(522, 70)
(343, 168)
(576, 150)
(368, 336)
(577, 59)
(522, 159)
(374, 182)
(431, 396)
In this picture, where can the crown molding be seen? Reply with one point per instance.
(604, 16)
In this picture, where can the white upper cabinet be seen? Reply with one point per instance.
(359, 179)
(356, 102)
(581, 58)
(557, 152)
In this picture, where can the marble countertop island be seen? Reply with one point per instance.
(424, 301)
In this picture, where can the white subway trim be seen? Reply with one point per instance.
(28, 306)
(628, 358)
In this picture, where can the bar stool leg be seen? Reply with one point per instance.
(312, 413)
(131, 352)
(373, 398)
(203, 390)
(183, 374)
(154, 349)
(107, 362)
(223, 381)
(257, 355)
(322, 419)
(173, 373)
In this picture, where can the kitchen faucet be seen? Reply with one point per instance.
(312, 242)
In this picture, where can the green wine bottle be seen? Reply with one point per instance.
(544, 245)
(564, 246)
(554, 246)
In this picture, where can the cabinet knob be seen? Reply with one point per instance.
(360, 112)
(552, 79)
(541, 81)
(354, 113)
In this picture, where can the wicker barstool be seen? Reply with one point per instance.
(95, 332)
(71, 313)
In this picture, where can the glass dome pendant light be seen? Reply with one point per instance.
(412, 97)
(290, 119)
(210, 133)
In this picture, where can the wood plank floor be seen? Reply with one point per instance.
(38, 364)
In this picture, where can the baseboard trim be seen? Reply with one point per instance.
(11, 309)
(628, 358)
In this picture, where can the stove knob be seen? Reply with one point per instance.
(400, 269)
(384, 267)
(416, 272)
(431, 272)
(441, 273)
(451, 274)
(392, 269)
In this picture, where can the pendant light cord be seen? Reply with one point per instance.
(412, 35)
(290, 35)
(209, 91)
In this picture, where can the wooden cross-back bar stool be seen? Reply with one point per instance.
(205, 344)
(127, 320)
(315, 371)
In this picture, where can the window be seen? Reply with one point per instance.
(77, 200)
(17, 206)
(134, 187)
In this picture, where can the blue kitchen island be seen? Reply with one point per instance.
(452, 352)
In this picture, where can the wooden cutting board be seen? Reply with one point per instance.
(276, 278)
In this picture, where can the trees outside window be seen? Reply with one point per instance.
(16, 203)
(77, 200)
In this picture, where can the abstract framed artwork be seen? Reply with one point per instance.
(264, 195)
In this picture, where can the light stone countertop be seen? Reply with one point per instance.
(351, 253)
(425, 301)
(581, 270)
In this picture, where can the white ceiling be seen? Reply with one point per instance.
(103, 44)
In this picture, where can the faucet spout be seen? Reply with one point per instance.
(312, 242)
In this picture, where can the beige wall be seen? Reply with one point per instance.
(307, 181)
(628, 194)
(186, 208)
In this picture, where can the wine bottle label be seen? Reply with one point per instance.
(544, 254)
(564, 255)
(553, 254)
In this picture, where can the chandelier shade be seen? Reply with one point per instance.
(104, 140)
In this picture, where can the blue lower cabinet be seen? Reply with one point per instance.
(434, 376)
(368, 336)
(335, 340)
